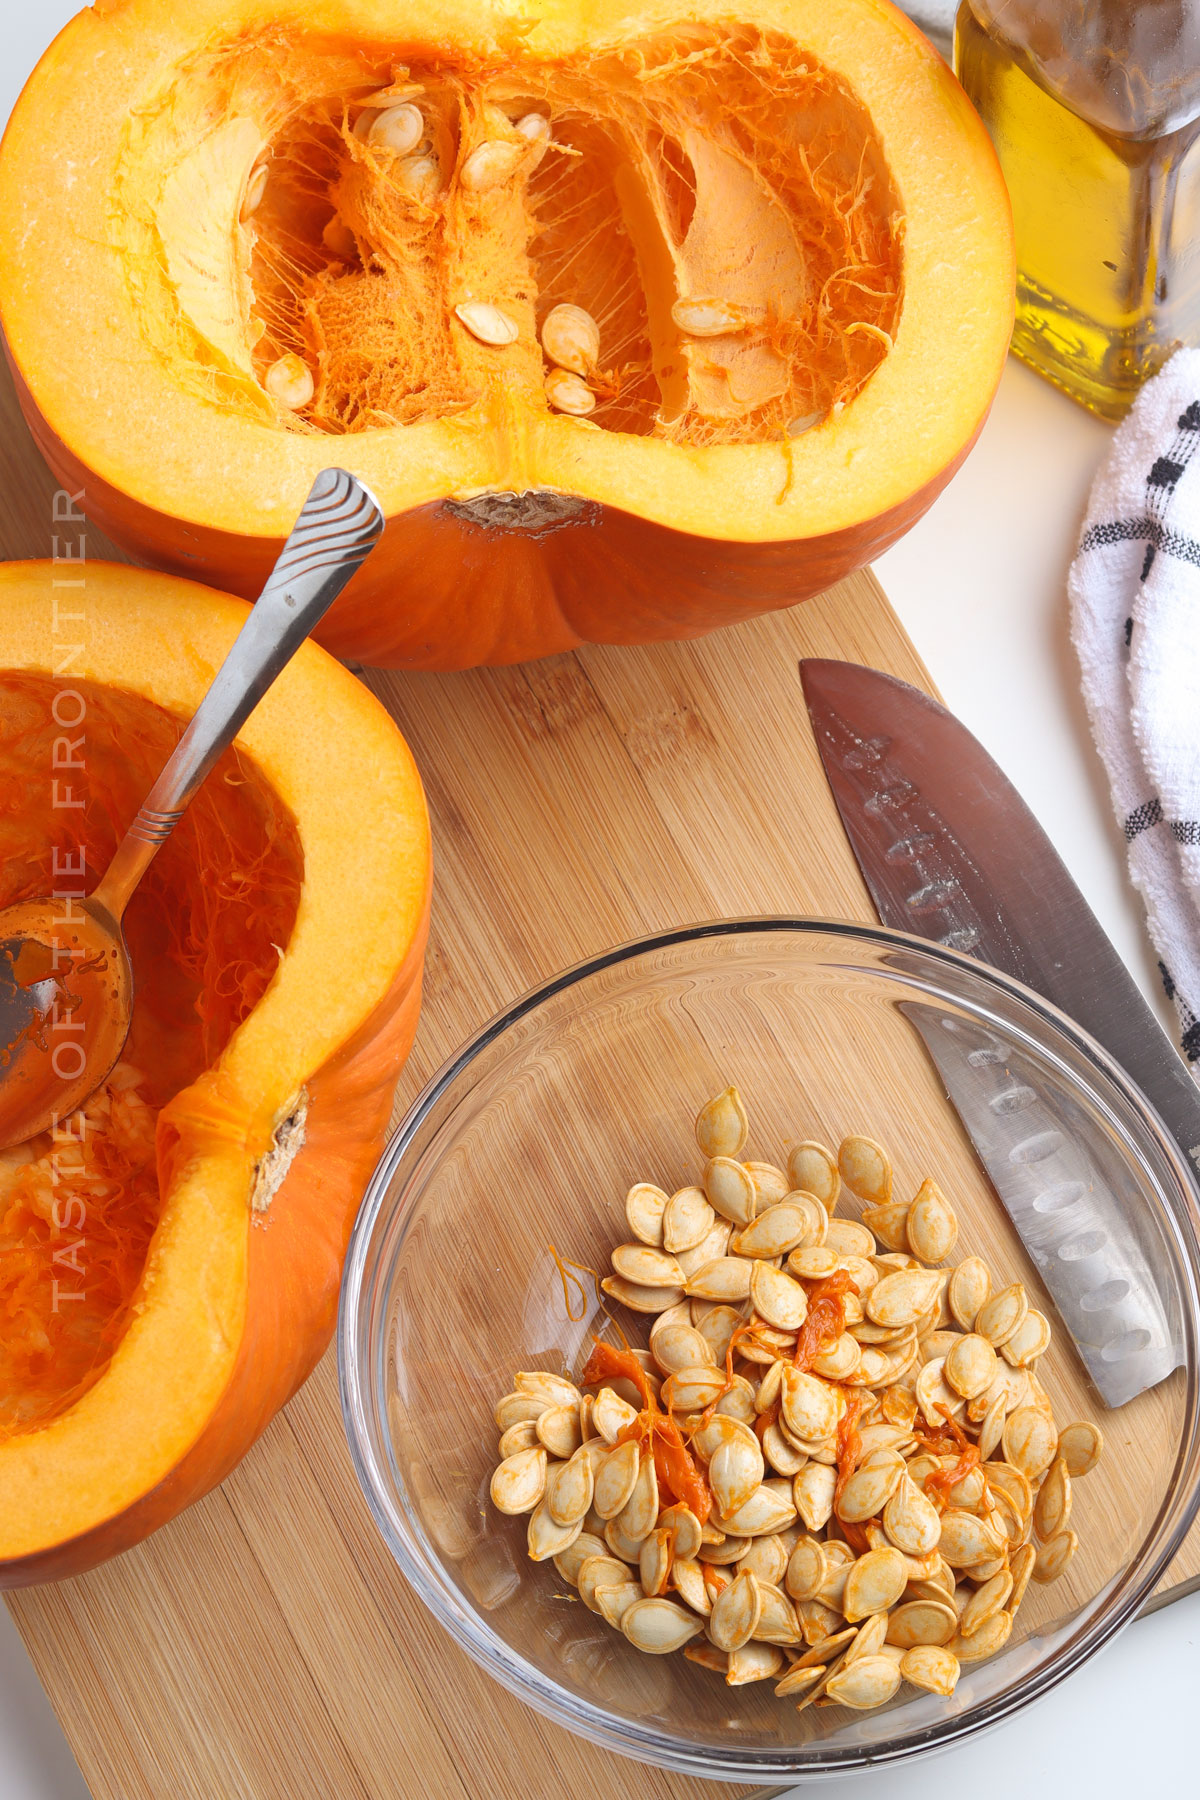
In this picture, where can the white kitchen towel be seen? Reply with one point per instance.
(1135, 617)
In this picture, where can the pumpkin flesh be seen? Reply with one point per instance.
(812, 165)
(313, 874)
(78, 1209)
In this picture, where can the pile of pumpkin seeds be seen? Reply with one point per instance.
(880, 1469)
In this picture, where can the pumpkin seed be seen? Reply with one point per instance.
(569, 1489)
(767, 1559)
(970, 1286)
(848, 1238)
(930, 1667)
(709, 317)
(1023, 1559)
(692, 1390)
(839, 1360)
(806, 1569)
(1000, 1315)
(770, 1184)
(812, 1491)
(639, 1515)
(397, 128)
(921, 1622)
(487, 323)
(992, 1429)
(753, 1662)
(658, 1627)
(934, 1394)
(546, 1537)
(985, 1602)
(808, 1407)
(765, 1512)
(776, 1297)
(798, 1679)
(612, 1603)
(813, 1169)
(522, 1436)
(874, 1584)
(420, 176)
(736, 1612)
(1030, 1340)
(678, 1347)
(722, 1125)
(983, 1643)
(735, 1472)
(638, 1298)
(783, 1457)
(900, 1299)
(290, 381)
(688, 1219)
(644, 1209)
(1016, 1487)
(621, 1544)
(534, 128)
(558, 1429)
(519, 1482)
(568, 393)
(687, 1578)
(911, 1519)
(777, 1622)
(1080, 1446)
(965, 1539)
(684, 1528)
(570, 1561)
(866, 1169)
(869, 1639)
(615, 1478)
(888, 1223)
(868, 1682)
(707, 1656)
(597, 1572)
(813, 1262)
(730, 1189)
(570, 336)
(646, 1266)
(654, 1562)
(970, 1365)
(731, 1549)
(773, 1233)
(728, 1278)
(713, 1247)
(932, 1227)
(1054, 1556)
(611, 1415)
(737, 1402)
(490, 164)
(1030, 1441)
(869, 1490)
(256, 187)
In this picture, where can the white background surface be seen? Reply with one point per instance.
(979, 586)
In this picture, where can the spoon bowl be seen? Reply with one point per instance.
(66, 995)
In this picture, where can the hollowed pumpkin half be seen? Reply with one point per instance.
(170, 1259)
(235, 230)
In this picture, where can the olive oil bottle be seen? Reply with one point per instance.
(1094, 109)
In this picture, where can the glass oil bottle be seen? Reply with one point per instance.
(1094, 110)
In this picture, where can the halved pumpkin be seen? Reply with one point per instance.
(234, 230)
(171, 1258)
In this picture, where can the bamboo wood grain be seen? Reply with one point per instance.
(263, 1646)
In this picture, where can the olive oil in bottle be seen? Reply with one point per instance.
(1096, 121)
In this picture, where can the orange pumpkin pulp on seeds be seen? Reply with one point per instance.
(783, 218)
(171, 1259)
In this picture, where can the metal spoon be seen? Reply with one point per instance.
(66, 987)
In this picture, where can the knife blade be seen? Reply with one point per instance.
(950, 852)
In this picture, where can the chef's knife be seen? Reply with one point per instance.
(950, 852)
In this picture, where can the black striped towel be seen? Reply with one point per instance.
(1135, 619)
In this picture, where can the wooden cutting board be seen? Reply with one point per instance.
(263, 1647)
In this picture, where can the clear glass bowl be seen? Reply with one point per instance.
(531, 1137)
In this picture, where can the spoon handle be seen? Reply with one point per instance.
(339, 525)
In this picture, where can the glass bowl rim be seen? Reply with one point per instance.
(487, 1648)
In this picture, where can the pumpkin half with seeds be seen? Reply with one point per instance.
(638, 322)
(172, 1254)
